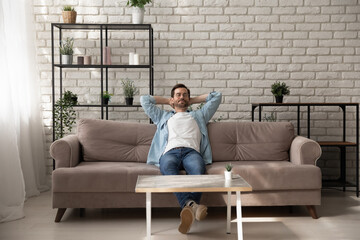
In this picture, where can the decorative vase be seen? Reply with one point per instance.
(138, 15)
(69, 16)
(228, 175)
(129, 101)
(279, 99)
(106, 56)
(66, 59)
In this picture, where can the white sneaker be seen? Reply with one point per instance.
(187, 219)
(200, 211)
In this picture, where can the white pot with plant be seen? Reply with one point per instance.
(66, 51)
(129, 90)
(138, 9)
(69, 14)
(228, 172)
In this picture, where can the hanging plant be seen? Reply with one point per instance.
(65, 115)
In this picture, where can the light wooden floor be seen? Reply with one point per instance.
(339, 219)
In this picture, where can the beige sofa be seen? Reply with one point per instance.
(98, 167)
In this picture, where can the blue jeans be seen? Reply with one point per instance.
(186, 159)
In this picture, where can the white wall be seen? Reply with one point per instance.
(238, 47)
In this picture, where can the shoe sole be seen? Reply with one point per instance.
(201, 212)
(187, 219)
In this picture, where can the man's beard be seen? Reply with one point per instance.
(183, 104)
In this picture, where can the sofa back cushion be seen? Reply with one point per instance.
(104, 140)
(260, 141)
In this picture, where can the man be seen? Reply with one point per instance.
(181, 142)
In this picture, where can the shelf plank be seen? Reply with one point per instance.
(336, 143)
(109, 105)
(91, 26)
(304, 104)
(101, 66)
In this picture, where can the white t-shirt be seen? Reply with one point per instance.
(183, 132)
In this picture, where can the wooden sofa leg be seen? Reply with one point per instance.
(311, 209)
(59, 214)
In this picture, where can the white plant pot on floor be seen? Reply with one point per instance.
(138, 15)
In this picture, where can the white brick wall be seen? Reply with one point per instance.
(238, 47)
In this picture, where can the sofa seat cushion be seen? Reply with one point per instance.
(101, 176)
(275, 175)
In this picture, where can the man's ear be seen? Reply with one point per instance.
(172, 102)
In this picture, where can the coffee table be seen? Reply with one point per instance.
(194, 183)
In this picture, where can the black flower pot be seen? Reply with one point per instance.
(129, 101)
(279, 99)
(74, 100)
(106, 101)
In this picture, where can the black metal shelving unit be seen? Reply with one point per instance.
(342, 145)
(103, 37)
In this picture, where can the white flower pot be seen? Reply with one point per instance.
(66, 59)
(228, 175)
(138, 15)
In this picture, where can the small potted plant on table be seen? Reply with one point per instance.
(227, 172)
(130, 90)
(279, 90)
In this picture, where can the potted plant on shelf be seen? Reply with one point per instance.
(138, 9)
(69, 14)
(227, 172)
(106, 97)
(279, 90)
(130, 90)
(66, 51)
(64, 114)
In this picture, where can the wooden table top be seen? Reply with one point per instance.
(190, 183)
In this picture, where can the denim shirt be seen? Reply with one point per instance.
(160, 118)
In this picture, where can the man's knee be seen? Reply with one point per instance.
(169, 165)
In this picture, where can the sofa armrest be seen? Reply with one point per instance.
(66, 151)
(304, 151)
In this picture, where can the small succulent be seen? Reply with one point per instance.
(228, 167)
(67, 8)
(107, 95)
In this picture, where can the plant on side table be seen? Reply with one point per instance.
(279, 90)
(106, 97)
(227, 172)
(138, 7)
(64, 114)
(69, 14)
(130, 90)
(66, 51)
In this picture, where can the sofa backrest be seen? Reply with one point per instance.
(262, 141)
(103, 140)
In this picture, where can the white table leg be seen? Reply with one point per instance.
(239, 216)
(148, 215)
(228, 227)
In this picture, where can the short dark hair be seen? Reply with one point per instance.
(180, 85)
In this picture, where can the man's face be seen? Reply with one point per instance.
(181, 98)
